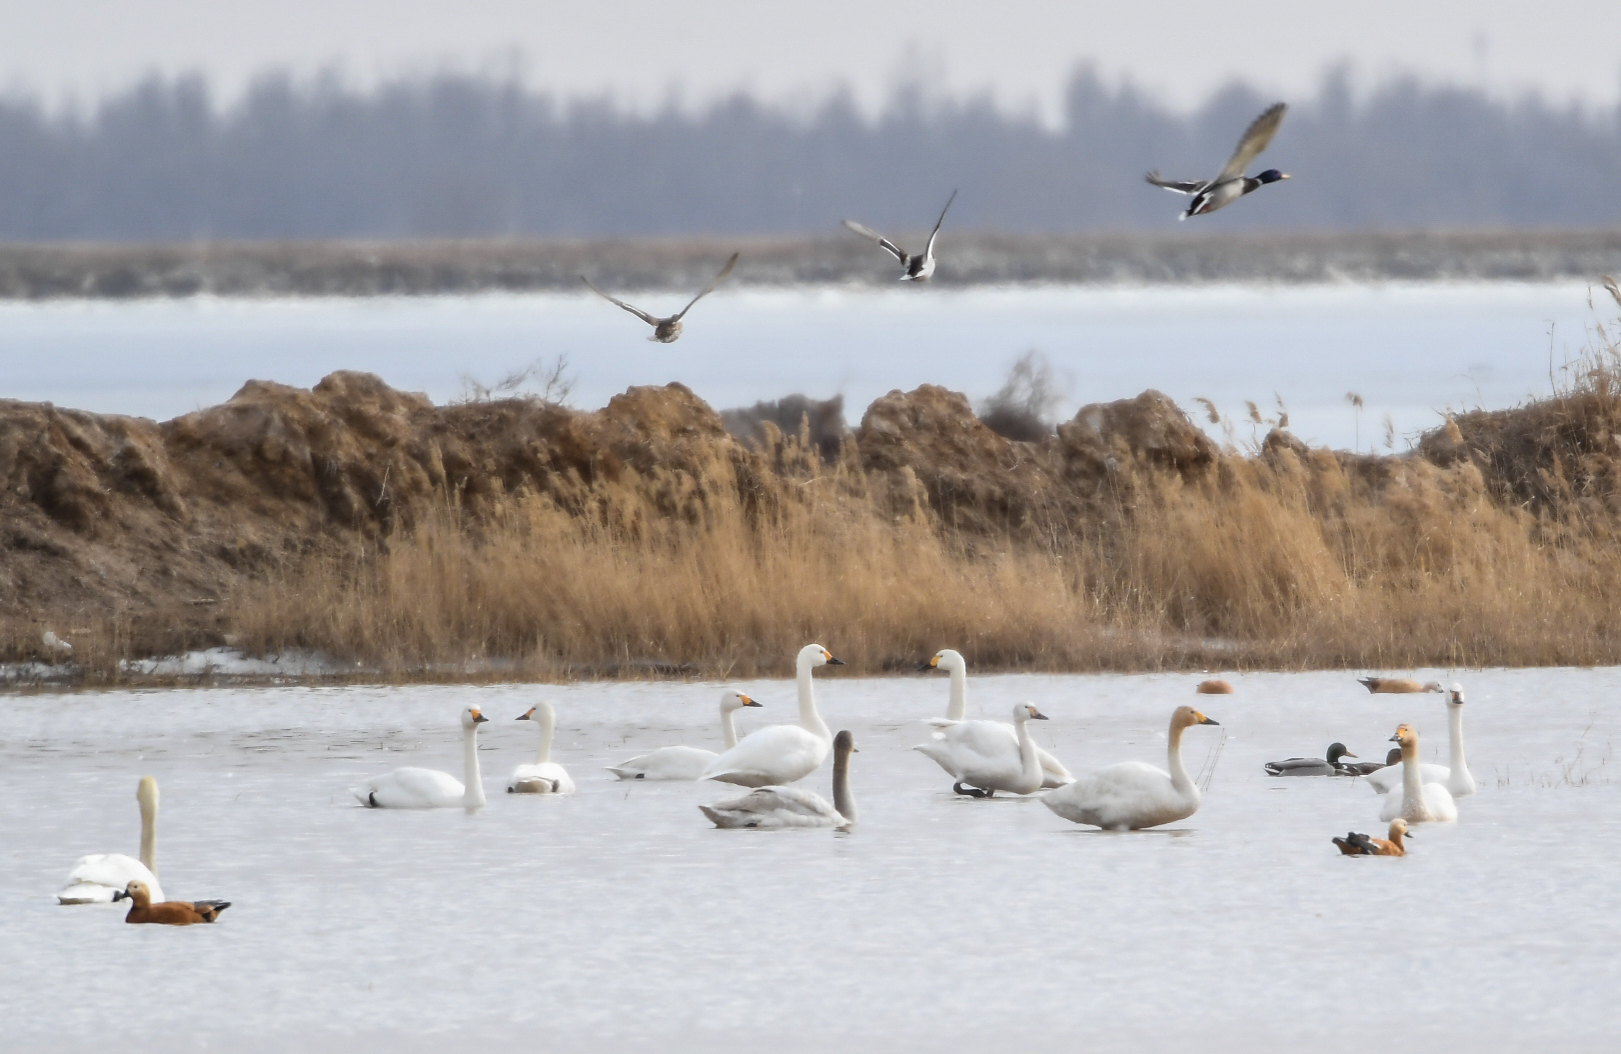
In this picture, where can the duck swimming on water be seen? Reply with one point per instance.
(1364, 768)
(1230, 183)
(167, 912)
(666, 330)
(1329, 765)
(1354, 844)
(917, 268)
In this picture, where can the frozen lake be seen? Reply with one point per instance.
(1410, 350)
(619, 920)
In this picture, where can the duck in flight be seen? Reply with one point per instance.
(666, 330)
(1230, 183)
(918, 268)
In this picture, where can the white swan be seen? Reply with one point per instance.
(954, 734)
(982, 762)
(769, 807)
(1455, 777)
(1133, 795)
(781, 753)
(99, 877)
(684, 763)
(545, 776)
(1415, 801)
(414, 788)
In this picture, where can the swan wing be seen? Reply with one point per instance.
(982, 753)
(774, 807)
(1389, 778)
(772, 755)
(1438, 805)
(1054, 774)
(939, 752)
(411, 788)
(550, 778)
(1129, 795)
(1253, 141)
(95, 878)
(665, 763)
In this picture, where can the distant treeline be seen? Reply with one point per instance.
(458, 156)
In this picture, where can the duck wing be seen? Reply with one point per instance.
(710, 288)
(1253, 141)
(928, 250)
(1177, 186)
(638, 312)
(883, 242)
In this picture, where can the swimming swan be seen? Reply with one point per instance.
(984, 764)
(770, 807)
(101, 878)
(1416, 801)
(1132, 795)
(1456, 777)
(143, 908)
(1329, 765)
(684, 763)
(780, 754)
(545, 776)
(414, 788)
(957, 739)
(1354, 844)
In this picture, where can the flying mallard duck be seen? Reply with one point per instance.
(918, 268)
(666, 330)
(1230, 183)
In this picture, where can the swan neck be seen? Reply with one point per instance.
(1412, 780)
(728, 728)
(1455, 738)
(1173, 760)
(473, 789)
(1029, 760)
(149, 834)
(548, 726)
(958, 708)
(843, 803)
(809, 719)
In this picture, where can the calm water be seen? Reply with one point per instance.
(619, 920)
(1410, 350)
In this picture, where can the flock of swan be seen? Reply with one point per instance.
(981, 757)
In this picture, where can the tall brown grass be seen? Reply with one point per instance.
(1287, 559)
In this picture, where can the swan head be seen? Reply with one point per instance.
(730, 701)
(1455, 695)
(844, 743)
(1026, 712)
(1405, 736)
(812, 655)
(1187, 716)
(1434, 686)
(947, 660)
(472, 717)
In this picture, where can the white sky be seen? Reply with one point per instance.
(637, 50)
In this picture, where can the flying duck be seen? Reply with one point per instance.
(666, 330)
(1326, 766)
(1230, 183)
(917, 268)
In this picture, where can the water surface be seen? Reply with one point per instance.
(619, 920)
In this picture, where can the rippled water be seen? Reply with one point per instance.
(619, 920)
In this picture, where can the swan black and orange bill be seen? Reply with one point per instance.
(478, 715)
(525, 715)
(749, 701)
(834, 661)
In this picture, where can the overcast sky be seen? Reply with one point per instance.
(1021, 50)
